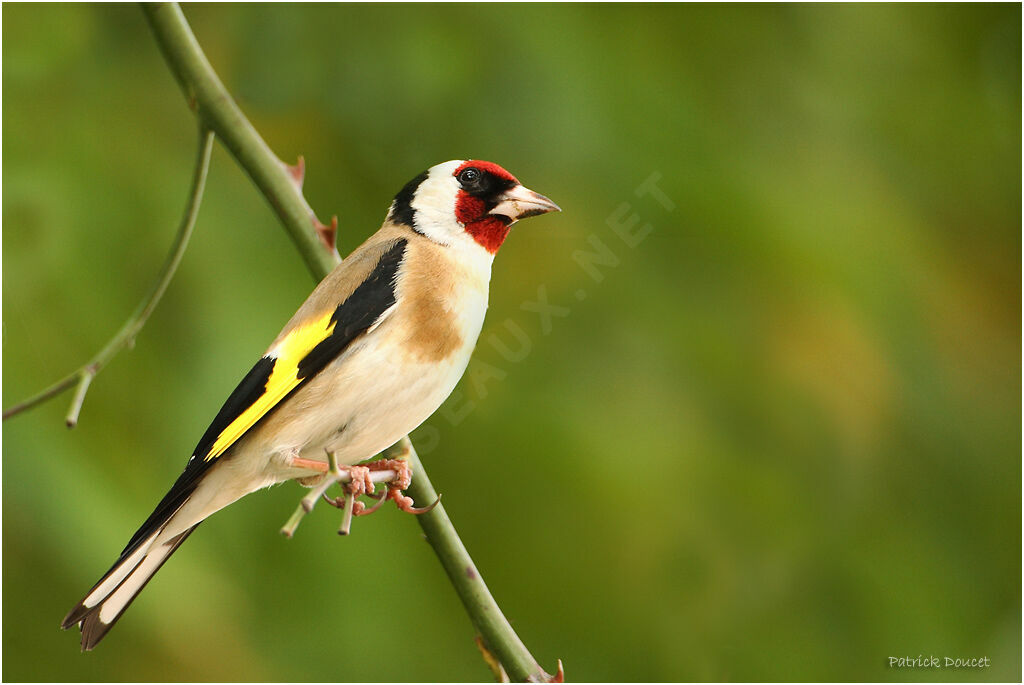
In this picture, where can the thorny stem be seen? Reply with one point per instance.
(217, 109)
(498, 635)
(126, 336)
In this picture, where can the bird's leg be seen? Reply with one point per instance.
(320, 467)
(310, 464)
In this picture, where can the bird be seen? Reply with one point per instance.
(373, 351)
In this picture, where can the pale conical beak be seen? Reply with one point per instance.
(519, 202)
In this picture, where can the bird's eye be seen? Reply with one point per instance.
(469, 176)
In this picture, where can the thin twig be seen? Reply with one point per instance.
(85, 380)
(213, 104)
(52, 391)
(215, 107)
(84, 375)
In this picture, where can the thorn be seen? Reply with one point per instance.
(492, 661)
(297, 172)
(559, 677)
(327, 234)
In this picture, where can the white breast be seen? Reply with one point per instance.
(392, 379)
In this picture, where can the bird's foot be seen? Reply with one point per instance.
(360, 482)
(356, 481)
(395, 486)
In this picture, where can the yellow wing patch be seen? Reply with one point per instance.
(283, 379)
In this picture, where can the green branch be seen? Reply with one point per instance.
(215, 108)
(83, 376)
(499, 636)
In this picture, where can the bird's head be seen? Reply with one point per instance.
(466, 201)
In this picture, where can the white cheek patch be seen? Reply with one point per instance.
(434, 204)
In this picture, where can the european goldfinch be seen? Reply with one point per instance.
(372, 352)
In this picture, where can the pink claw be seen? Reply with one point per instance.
(405, 503)
(363, 510)
(334, 501)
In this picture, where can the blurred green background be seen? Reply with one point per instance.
(778, 439)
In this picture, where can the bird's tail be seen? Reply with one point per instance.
(108, 599)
